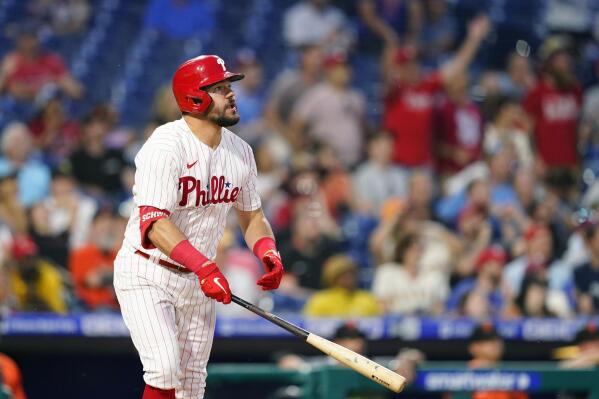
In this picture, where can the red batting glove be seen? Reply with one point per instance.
(266, 251)
(213, 283)
(274, 266)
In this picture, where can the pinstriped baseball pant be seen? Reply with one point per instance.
(170, 320)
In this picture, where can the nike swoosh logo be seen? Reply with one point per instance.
(218, 283)
(189, 165)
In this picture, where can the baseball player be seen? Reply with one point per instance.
(189, 173)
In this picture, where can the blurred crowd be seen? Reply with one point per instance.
(471, 193)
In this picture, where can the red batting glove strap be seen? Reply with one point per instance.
(264, 245)
(185, 254)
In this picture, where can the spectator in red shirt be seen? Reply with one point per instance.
(460, 128)
(409, 99)
(554, 104)
(28, 69)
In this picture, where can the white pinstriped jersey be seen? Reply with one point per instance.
(178, 173)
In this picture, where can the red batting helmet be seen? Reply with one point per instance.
(193, 76)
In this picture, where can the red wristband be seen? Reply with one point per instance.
(263, 245)
(188, 256)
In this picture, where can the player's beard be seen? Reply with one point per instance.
(225, 121)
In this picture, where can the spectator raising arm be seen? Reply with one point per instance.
(370, 18)
(478, 29)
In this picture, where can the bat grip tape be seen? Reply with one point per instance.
(292, 328)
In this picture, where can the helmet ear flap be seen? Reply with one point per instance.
(200, 102)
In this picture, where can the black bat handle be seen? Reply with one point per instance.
(292, 328)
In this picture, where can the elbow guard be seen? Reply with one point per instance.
(147, 216)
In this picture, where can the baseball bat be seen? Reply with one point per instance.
(566, 352)
(351, 359)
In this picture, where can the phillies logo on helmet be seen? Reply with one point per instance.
(221, 62)
(218, 191)
(193, 76)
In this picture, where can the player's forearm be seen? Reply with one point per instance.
(257, 228)
(260, 239)
(165, 235)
